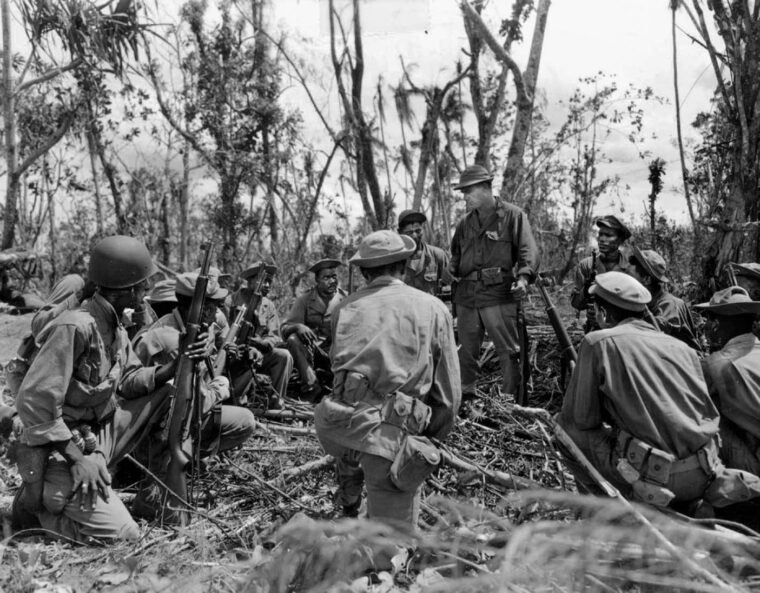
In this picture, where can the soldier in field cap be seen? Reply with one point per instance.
(671, 313)
(611, 235)
(428, 268)
(494, 256)
(733, 374)
(637, 406)
(307, 330)
(396, 383)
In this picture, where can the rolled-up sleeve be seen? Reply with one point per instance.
(582, 406)
(297, 314)
(41, 397)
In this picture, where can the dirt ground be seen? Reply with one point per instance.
(12, 329)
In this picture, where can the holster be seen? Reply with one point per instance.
(32, 462)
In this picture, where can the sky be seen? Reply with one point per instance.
(630, 39)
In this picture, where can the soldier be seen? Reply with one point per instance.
(87, 375)
(638, 408)
(748, 277)
(275, 362)
(495, 256)
(428, 267)
(671, 313)
(733, 374)
(611, 236)
(307, 328)
(222, 427)
(396, 383)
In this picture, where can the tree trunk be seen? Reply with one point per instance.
(428, 145)
(183, 196)
(514, 170)
(11, 190)
(99, 224)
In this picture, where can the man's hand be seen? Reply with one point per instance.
(91, 477)
(305, 333)
(233, 351)
(520, 288)
(261, 345)
(255, 356)
(199, 349)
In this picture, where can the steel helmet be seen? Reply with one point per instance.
(120, 262)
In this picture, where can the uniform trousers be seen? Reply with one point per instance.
(500, 321)
(739, 449)
(306, 359)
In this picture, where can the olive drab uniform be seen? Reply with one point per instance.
(487, 256)
(427, 269)
(396, 383)
(674, 318)
(311, 310)
(663, 441)
(85, 373)
(583, 273)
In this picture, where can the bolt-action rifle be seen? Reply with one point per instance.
(567, 350)
(181, 414)
(248, 325)
(231, 338)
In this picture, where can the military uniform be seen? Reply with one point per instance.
(487, 255)
(396, 383)
(674, 318)
(584, 271)
(427, 269)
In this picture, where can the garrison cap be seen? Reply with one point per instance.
(383, 247)
(256, 268)
(325, 263)
(652, 262)
(408, 216)
(733, 300)
(185, 286)
(473, 175)
(748, 270)
(613, 222)
(621, 290)
(163, 292)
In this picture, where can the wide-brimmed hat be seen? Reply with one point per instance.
(185, 286)
(748, 270)
(652, 262)
(621, 290)
(325, 263)
(408, 216)
(733, 300)
(163, 292)
(256, 268)
(614, 223)
(383, 247)
(473, 175)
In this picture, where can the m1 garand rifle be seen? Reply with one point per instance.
(231, 338)
(249, 323)
(183, 404)
(569, 357)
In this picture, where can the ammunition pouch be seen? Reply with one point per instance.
(32, 462)
(408, 413)
(416, 459)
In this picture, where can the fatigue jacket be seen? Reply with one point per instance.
(427, 268)
(85, 360)
(503, 240)
(159, 345)
(674, 317)
(645, 382)
(400, 340)
(583, 272)
(311, 310)
(733, 380)
(267, 319)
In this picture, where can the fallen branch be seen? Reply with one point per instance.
(309, 467)
(285, 414)
(504, 479)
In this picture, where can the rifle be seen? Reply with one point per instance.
(221, 357)
(248, 327)
(181, 413)
(731, 274)
(567, 348)
(350, 278)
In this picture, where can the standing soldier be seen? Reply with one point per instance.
(733, 374)
(396, 383)
(428, 267)
(638, 408)
(275, 362)
(307, 329)
(612, 234)
(86, 377)
(495, 256)
(671, 313)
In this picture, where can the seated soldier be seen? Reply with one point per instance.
(86, 375)
(671, 313)
(264, 335)
(307, 327)
(637, 407)
(222, 427)
(733, 374)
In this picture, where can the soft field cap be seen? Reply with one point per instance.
(163, 292)
(652, 262)
(613, 222)
(621, 290)
(325, 263)
(185, 285)
(408, 216)
(383, 247)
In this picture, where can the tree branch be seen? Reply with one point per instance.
(42, 149)
(49, 75)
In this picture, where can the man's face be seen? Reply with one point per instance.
(208, 315)
(327, 282)
(266, 285)
(609, 240)
(413, 230)
(477, 196)
(714, 332)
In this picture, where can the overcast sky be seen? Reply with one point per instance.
(628, 38)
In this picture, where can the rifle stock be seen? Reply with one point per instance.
(568, 350)
(181, 411)
(231, 338)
